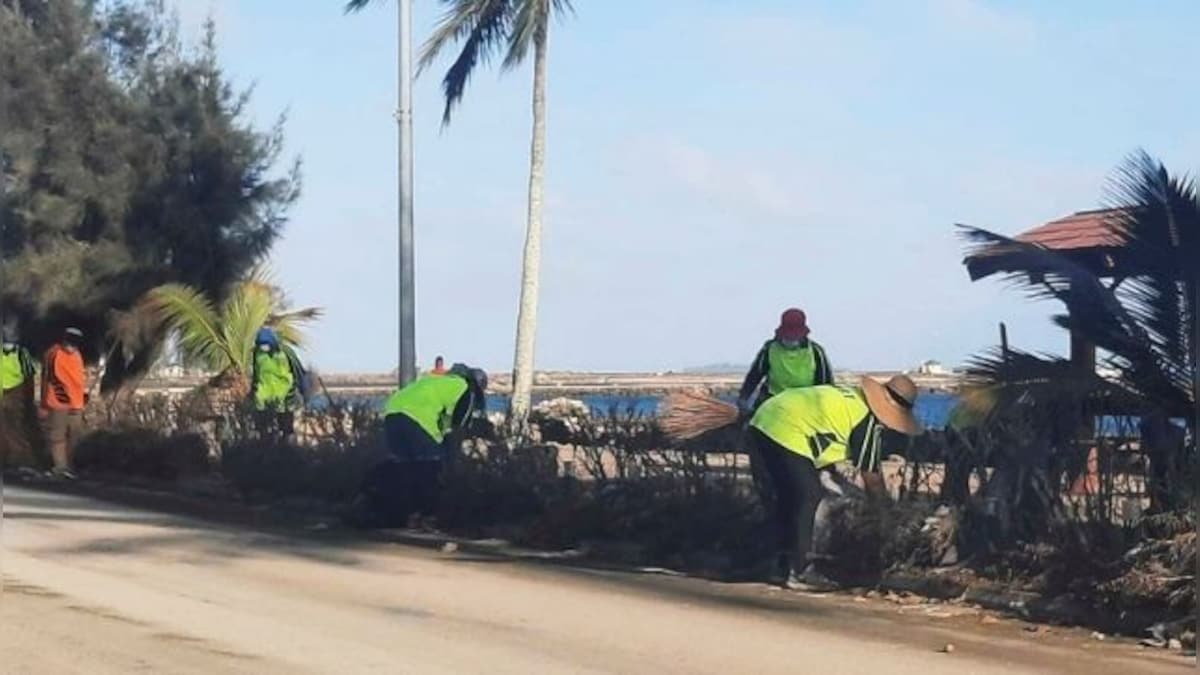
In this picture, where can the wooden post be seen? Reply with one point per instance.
(1196, 425)
(1083, 353)
(1083, 358)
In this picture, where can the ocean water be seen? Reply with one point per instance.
(933, 409)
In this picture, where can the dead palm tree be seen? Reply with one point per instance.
(482, 30)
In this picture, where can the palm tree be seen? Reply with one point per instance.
(481, 30)
(1146, 318)
(219, 337)
(1145, 315)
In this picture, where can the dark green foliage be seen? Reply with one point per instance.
(130, 163)
(142, 452)
(336, 447)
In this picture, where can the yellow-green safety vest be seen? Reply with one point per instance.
(790, 368)
(273, 380)
(429, 401)
(16, 368)
(815, 422)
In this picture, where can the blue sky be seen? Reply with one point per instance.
(711, 163)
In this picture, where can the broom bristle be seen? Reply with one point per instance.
(688, 414)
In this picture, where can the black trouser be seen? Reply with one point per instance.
(409, 481)
(276, 425)
(798, 492)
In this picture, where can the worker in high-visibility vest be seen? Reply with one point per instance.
(17, 406)
(790, 360)
(422, 422)
(278, 385)
(801, 432)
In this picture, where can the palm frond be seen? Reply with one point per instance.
(1013, 382)
(1043, 273)
(247, 309)
(193, 316)
(1161, 221)
(357, 5)
(531, 25)
(1160, 215)
(290, 325)
(1039, 271)
(454, 25)
(482, 27)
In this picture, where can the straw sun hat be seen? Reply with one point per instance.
(892, 403)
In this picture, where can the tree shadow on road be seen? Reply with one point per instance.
(212, 543)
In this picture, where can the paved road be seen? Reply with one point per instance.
(96, 588)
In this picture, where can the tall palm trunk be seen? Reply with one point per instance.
(532, 262)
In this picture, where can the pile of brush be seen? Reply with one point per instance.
(690, 414)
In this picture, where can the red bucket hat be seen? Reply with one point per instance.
(793, 325)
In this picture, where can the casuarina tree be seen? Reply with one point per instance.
(130, 163)
(482, 30)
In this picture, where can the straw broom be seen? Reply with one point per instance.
(688, 414)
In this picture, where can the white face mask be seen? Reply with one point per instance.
(264, 348)
(791, 344)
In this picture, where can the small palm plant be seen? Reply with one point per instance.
(219, 336)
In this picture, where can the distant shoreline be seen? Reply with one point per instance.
(573, 384)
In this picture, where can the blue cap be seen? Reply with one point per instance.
(266, 336)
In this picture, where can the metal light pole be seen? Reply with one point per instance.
(3, 230)
(404, 116)
(3, 288)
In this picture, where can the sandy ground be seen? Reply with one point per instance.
(96, 588)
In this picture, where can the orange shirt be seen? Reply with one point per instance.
(64, 380)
